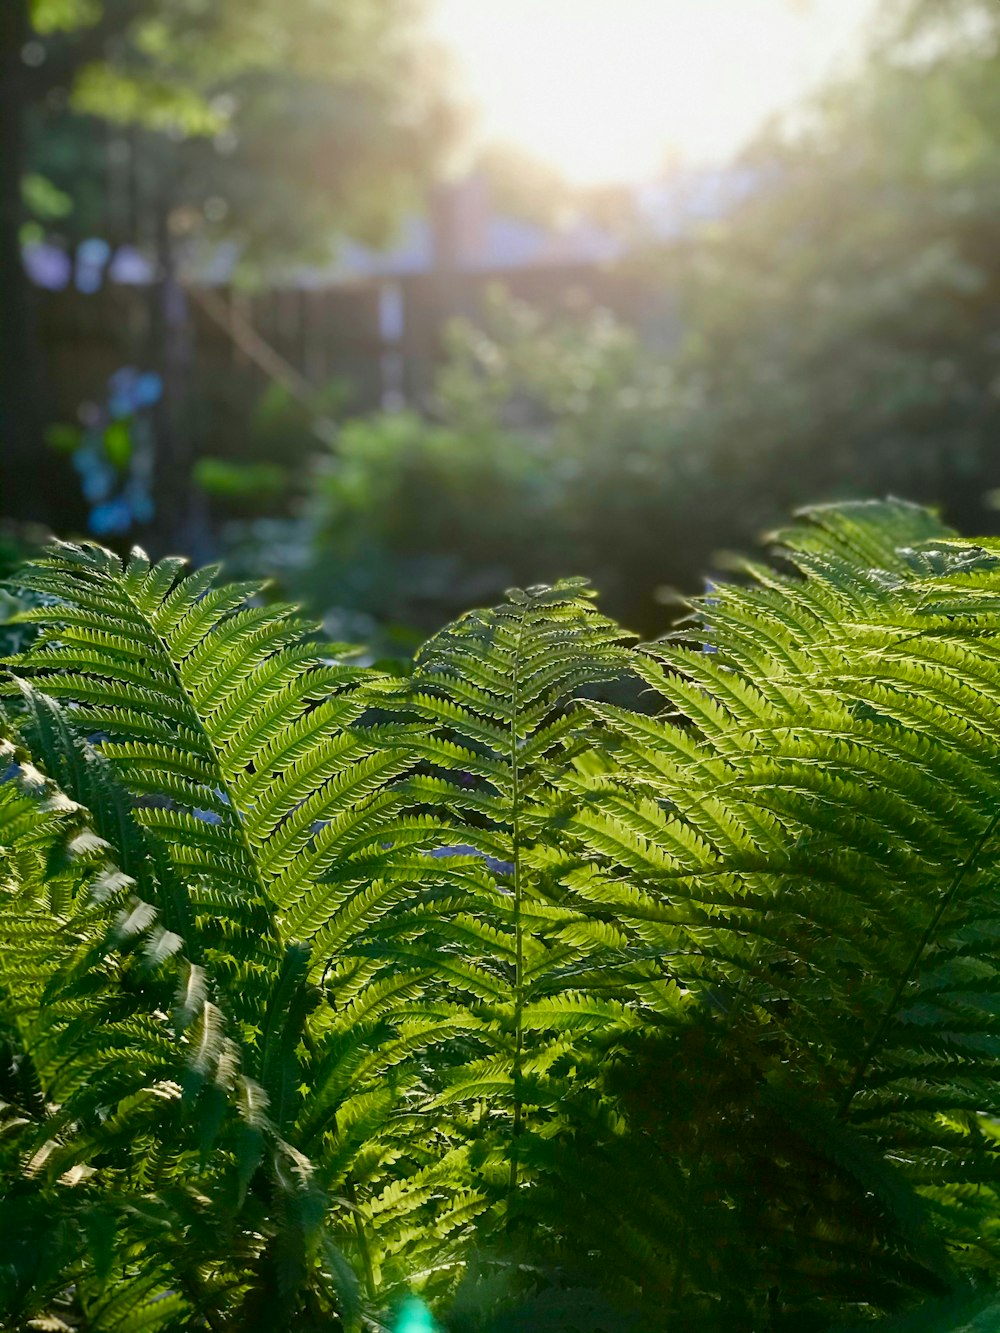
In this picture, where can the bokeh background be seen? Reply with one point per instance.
(403, 303)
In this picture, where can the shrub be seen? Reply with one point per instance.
(548, 446)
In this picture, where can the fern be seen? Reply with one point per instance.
(500, 691)
(225, 820)
(814, 856)
(668, 971)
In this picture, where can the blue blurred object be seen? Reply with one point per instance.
(139, 499)
(148, 390)
(414, 1317)
(91, 257)
(113, 517)
(94, 251)
(130, 390)
(97, 476)
(114, 452)
(48, 266)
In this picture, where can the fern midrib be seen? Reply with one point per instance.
(947, 898)
(515, 774)
(200, 729)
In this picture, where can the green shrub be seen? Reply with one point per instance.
(833, 336)
(572, 442)
(570, 984)
(411, 522)
(548, 447)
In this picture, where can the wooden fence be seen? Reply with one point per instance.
(382, 339)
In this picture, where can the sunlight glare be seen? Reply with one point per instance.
(606, 90)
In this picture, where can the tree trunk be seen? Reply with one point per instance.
(22, 492)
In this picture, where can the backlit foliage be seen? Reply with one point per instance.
(567, 982)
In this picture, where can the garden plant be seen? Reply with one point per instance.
(564, 982)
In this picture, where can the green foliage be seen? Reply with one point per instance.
(569, 983)
(411, 521)
(43, 200)
(218, 113)
(253, 483)
(840, 326)
(832, 337)
(224, 738)
(546, 452)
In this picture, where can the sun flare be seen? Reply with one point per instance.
(606, 90)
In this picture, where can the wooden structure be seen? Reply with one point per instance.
(381, 338)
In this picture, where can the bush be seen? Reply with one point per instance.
(549, 448)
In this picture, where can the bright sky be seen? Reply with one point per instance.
(604, 88)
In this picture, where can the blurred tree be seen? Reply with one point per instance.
(274, 124)
(840, 338)
(843, 328)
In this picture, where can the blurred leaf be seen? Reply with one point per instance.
(114, 95)
(61, 15)
(44, 199)
(118, 443)
(240, 481)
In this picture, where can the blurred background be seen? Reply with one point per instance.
(402, 303)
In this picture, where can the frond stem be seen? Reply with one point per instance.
(200, 727)
(366, 1254)
(947, 898)
(518, 890)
